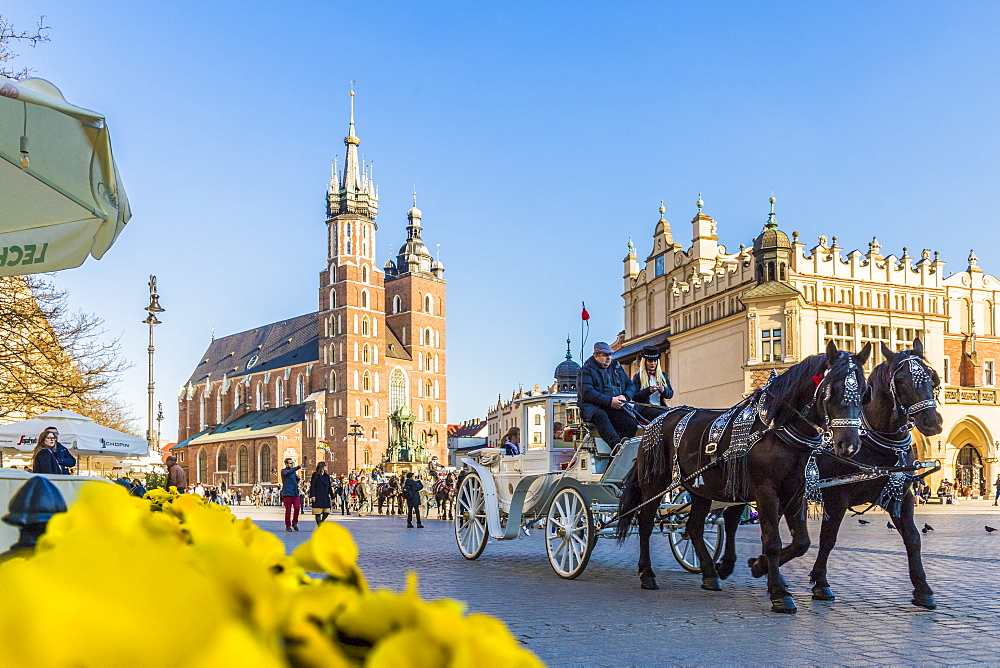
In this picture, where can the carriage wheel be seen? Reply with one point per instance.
(569, 533)
(470, 517)
(683, 547)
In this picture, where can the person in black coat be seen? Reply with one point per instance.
(411, 492)
(62, 453)
(653, 386)
(320, 491)
(44, 460)
(603, 388)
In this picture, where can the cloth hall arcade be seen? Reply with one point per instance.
(359, 382)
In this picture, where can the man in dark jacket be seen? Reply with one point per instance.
(602, 390)
(411, 492)
(652, 384)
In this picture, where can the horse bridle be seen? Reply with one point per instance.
(852, 397)
(920, 377)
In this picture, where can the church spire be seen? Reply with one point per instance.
(352, 171)
(355, 189)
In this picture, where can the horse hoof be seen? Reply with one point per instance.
(822, 593)
(925, 601)
(711, 584)
(756, 569)
(725, 569)
(649, 583)
(785, 605)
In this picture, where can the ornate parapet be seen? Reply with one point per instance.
(972, 395)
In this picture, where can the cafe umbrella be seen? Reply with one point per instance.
(79, 433)
(61, 197)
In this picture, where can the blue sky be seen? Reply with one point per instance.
(541, 137)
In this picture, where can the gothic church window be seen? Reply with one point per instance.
(397, 390)
(364, 326)
(333, 299)
(364, 273)
(397, 304)
(364, 299)
(300, 390)
(279, 393)
(202, 466)
(366, 354)
(428, 304)
(368, 409)
(264, 464)
(333, 382)
(243, 466)
(222, 460)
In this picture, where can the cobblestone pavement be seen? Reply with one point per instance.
(604, 619)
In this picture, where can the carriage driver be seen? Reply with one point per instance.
(603, 387)
(654, 386)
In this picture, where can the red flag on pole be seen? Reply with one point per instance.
(585, 315)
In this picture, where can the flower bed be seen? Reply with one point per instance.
(213, 590)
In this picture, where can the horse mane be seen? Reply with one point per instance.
(785, 391)
(878, 379)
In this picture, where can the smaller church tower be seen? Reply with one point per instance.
(415, 312)
(772, 252)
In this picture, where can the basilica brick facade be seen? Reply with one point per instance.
(360, 382)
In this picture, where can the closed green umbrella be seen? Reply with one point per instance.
(61, 197)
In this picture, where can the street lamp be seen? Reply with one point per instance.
(356, 431)
(159, 425)
(151, 319)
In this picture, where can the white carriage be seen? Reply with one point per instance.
(568, 489)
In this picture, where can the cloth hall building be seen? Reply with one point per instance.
(724, 319)
(358, 383)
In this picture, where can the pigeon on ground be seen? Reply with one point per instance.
(927, 527)
(888, 525)
(863, 522)
(990, 529)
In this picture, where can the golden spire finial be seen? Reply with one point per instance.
(699, 203)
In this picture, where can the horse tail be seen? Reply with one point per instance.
(631, 497)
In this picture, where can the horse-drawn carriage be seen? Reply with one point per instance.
(568, 488)
(818, 432)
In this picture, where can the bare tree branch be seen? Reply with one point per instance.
(9, 36)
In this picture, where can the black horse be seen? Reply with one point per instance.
(756, 450)
(388, 492)
(444, 495)
(902, 393)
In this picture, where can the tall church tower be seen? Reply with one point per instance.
(351, 319)
(415, 312)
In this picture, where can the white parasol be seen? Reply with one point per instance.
(61, 197)
(80, 434)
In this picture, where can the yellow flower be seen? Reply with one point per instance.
(332, 550)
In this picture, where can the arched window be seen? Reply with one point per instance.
(364, 326)
(364, 299)
(264, 461)
(368, 409)
(963, 314)
(397, 304)
(279, 393)
(222, 460)
(368, 455)
(366, 354)
(202, 466)
(260, 396)
(333, 299)
(364, 273)
(240, 396)
(375, 432)
(243, 466)
(300, 389)
(366, 382)
(397, 390)
(428, 304)
(333, 382)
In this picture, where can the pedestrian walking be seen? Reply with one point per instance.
(290, 494)
(411, 493)
(320, 491)
(996, 497)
